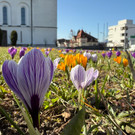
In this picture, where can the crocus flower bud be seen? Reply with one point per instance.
(13, 53)
(86, 54)
(10, 49)
(47, 53)
(22, 52)
(109, 54)
(74, 50)
(66, 50)
(118, 53)
(94, 57)
(81, 78)
(81, 52)
(133, 54)
(103, 54)
(24, 48)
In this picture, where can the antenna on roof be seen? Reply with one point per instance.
(107, 30)
(98, 31)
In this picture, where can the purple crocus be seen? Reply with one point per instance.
(66, 50)
(10, 49)
(86, 54)
(81, 78)
(22, 52)
(47, 53)
(24, 48)
(109, 54)
(74, 50)
(94, 57)
(80, 51)
(118, 53)
(13, 53)
(103, 54)
(133, 54)
(30, 80)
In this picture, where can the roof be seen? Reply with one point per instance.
(83, 34)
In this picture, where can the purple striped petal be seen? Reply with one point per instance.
(30, 80)
(35, 71)
(88, 77)
(81, 78)
(86, 54)
(9, 70)
(94, 57)
(77, 76)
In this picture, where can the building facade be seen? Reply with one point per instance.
(83, 39)
(119, 35)
(63, 42)
(34, 20)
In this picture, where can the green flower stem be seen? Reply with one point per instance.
(17, 101)
(96, 93)
(79, 99)
(109, 67)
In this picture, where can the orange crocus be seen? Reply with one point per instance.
(61, 66)
(84, 61)
(59, 51)
(125, 62)
(62, 55)
(118, 60)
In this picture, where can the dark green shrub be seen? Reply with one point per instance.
(1, 35)
(13, 37)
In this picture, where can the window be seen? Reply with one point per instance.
(122, 41)
(23, 16)
(124, 34)
(5, 15)
(110, 41)
(124, 28)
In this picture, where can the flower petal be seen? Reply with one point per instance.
(95, 74)
(55, 63)
(9, 70)
(77, 76)
(88, 77)
(34, 75)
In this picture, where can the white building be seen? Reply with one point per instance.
(17, 15)
(119, 34)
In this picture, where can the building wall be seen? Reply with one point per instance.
(44, 21)
(118, 33)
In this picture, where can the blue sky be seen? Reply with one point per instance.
(87, 14)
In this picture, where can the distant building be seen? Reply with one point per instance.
(132, 43)
(83, 39)
(63, 42)
(34, 22)
(119, 35)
